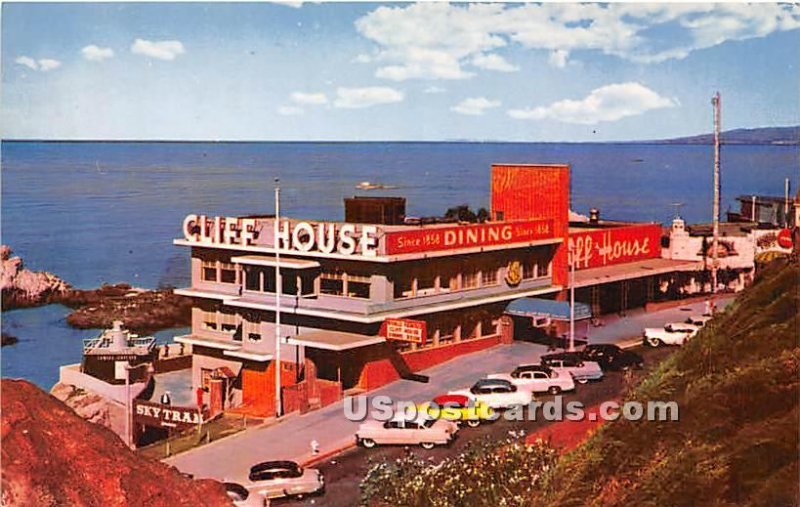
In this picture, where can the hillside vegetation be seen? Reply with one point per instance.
(736, 442)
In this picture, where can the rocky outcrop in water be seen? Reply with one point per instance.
(9, 339)
(142, 311)
(52, 457)
(23, 288)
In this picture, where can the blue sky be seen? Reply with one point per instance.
(365, 71)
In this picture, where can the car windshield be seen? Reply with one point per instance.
(279, 470)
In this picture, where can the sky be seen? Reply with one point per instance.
(404, 71)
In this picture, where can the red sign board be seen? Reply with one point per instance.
(785, 238)
(431, 239)
(615, 245)
(405, 330)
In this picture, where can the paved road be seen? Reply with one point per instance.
(343, 473)
(230, 458)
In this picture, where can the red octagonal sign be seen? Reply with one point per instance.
(785, 238)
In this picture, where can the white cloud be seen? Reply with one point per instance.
(493, 61)
(162, 50)
(558, 58)
(434, 89)
(28, 62)
(309, 99)
(607, 103)
(475, 106)
(46, 64)
(356, 98)
(97, 54)
(41, 65)
(433, 40)
(290, 110)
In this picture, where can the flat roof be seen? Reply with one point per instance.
(334, 340)
(632, 270)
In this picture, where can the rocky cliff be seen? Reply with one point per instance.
(23, 288)
(52, 457)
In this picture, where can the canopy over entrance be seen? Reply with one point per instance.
(334, 340)
(546, 308)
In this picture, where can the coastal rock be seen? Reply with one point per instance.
(53, 457)
(24, 288)
(9, 339)
(142, 311)
(91, 407)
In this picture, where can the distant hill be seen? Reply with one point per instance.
(765, 135)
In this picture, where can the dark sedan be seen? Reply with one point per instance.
(611, 357)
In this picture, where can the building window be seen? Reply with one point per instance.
(358, 286)
(469, 280)
(488, 277)
(210, 325)
(426, 284)
(487, 326)
(209, 271)
(332, 283)
(499, 216)
(227, 322)
(528, 270)
(254, 337)
(403, 287)
(289, 283)
(227, 273)
(543, 267)
(252, 279)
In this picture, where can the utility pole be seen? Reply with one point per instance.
(786, 202)
(717, 103)
(571, 256)
(278, 290)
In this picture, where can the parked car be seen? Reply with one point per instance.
(537, 378)
(421, 430)
(571, 363)
(676, 333)
(275, 479)
(497, 393)
(240, 497)
(458, 408)
(611, 357)
(698, 320)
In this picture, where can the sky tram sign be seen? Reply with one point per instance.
(148, 413)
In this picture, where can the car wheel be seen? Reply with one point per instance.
(473, 423)
(427, 445)
(554, 390)
(368, 443)
(654, 342)
(582, 380)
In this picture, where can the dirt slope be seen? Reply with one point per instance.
(50, 457)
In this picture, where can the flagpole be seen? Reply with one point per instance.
(278, 290)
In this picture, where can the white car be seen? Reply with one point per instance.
(571, 363)
(537, 379)
(497, 394)
(698, 320)
(675, 333)
(421, 430)
(276, 479)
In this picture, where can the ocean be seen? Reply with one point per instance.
(95, 212)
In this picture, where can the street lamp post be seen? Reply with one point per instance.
(278, 290)
(571, 258)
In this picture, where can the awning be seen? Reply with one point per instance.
(334, 340)
(269, 261)
(547, 308)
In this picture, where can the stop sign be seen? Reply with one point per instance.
(785, 238)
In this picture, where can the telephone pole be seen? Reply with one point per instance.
(278, 289)
(716, 101)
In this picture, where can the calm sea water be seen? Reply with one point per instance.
(107, 212)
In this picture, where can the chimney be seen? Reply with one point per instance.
(119, 338)
(594, 216)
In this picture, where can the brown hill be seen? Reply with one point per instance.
(50, 457)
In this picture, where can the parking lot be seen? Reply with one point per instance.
(343, 473)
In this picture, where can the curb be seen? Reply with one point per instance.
(314, 460)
